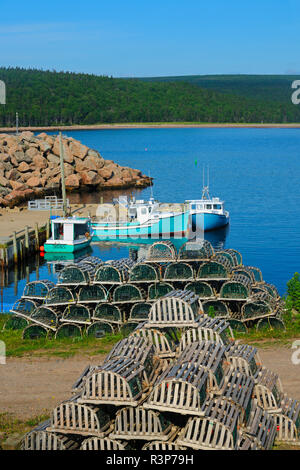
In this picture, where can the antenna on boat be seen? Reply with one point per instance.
(205, 189)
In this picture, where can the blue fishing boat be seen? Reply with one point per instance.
(207, 213)
(143, 219)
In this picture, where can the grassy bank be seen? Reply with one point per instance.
(89, 346)
(67, 347)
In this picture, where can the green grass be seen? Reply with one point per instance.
(9, 425)
(268, 337)
(16, 346)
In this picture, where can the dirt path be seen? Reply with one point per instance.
(29, 388)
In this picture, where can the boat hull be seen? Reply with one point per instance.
(65, 248)
(207, 222)
(174, 226)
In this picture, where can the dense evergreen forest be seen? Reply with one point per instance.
(50, 98)
(258, 87)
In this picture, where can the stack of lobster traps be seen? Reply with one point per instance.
(179, 381)
(96, 298)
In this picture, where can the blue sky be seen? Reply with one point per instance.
(152, 38)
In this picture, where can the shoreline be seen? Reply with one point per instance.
(152, 126)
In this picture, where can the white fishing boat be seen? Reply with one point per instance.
(68, 234)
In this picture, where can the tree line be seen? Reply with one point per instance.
(51, 98)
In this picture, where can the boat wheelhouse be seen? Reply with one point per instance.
(68, 234)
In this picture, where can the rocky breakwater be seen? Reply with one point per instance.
(30, 168)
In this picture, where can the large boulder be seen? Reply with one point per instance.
(53, 158)
(23, 167)
(73, 182)
(40, 162)
(34, 182)
(78, 150)
(90, 178)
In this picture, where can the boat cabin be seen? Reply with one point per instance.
(70, 229)
(141, 210)
(214, 205)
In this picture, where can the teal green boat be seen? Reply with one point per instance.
(68, 235)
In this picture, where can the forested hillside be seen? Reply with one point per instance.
(46, 98)
(259, 87)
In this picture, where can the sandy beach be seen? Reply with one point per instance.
(171, 125)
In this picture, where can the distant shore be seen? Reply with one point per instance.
(156, 125)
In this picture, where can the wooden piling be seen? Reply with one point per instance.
(36, 230)
(27, 239)
(15, 248)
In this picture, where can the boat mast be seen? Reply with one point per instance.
(205, 189)
(62, 170)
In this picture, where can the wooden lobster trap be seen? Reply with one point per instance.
(244, 358)
(141, 424)
(288, 421)
(162, 251)
(268, 390)
(176, 309)
(120, 381)
(77, 274)
(101, 328)
(37, 290)
(159, 289)
(24, 308)
(77, 314)
(145, 273)
(238, 288)
(69, 330)
(15, 322)
(44, 440)
(233, 256)
(214, 270)
(216, 430)
(201, 288)
(255, 309)
(59, 295)
(108, 312)
(199, 250)
(238, 389)
(181, 389)
(104, 443)
(210, 356)
(46, 316)
(164, 341)
(162, 445)
(247, 442)
(179, 271)
(71, 417)
(130, 347)
(128, 293)
(215, 308)
(139, 312)
(207, 329)
(140, 351)
(113, 272)
(92, 294)
(261, 427)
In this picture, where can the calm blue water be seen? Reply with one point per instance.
(256, 171)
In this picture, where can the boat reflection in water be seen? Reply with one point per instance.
(216, 237)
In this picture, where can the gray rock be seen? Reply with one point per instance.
(53, 158)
